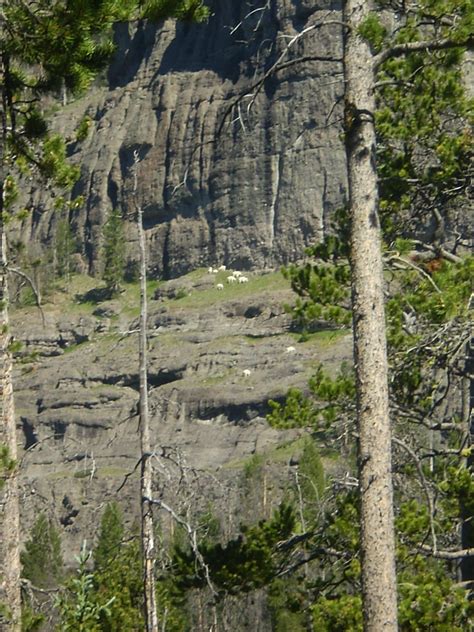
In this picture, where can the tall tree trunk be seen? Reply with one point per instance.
(467, 529)
(10, 568)
(147, 532)
(370, 354)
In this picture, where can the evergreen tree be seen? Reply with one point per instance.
(65, 246)
(117, 574)
(424, 159)
(43, 45)
(111, 536)
(78, 607)
(41, 558)
(46, 47)
(113, 251)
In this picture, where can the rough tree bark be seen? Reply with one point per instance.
(147, 532)
(10, 568)
(467, 529)
(10, 510)
(375, 475)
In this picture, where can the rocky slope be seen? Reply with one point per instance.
(77, 391)
(247, 183)
(226, 173)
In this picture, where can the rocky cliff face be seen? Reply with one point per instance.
(228, 172)
(76, 387)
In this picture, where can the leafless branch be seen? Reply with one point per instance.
(258, 10)
(34, 289)
(446, 555)
(279, 65)
(405, 262)
(127, 476)
(424, 484)
(28, 586)
(192, 535)
(32, 447)
(438, 250)
(398, 50)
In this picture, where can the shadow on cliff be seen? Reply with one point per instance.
(95, 296)
(132, 50)
(203, 47)
(195, 47)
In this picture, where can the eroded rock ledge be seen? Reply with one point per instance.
(77, 403)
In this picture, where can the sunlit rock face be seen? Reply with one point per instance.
(227, 169)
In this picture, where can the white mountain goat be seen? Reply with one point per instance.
(221, 268)
(231, 279)
(290, 349)
(246, 372)
(219, 286)
(243, 279)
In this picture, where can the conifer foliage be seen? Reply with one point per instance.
(424, 163)
(113, 252)
(41, 558)
(307, 553)
(47, 47)
(43, 46)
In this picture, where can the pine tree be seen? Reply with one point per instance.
(79, 608)
(117, 574)
(41, 558)
(45, 48)
(423, 160)
(64, 248)
(113, 252)
(42, 47)
(379, 584)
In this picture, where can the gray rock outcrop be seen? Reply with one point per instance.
(229, 171)
(76, 388)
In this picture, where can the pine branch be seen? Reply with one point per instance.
(426, 489)
(425, 45)
(446, 555)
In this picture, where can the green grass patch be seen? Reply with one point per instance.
(215, 379)
(324, 337)
(131, 291)
(115, 342)
(278, 454)
(111, 472)
(197, 274)
(283, 452)
(77, 284)
(59, 474)
(209, 296)
(83, 473)
(75, 346)
(163, 339)
(129, 298)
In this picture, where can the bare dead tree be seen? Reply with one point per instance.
(146, 474)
